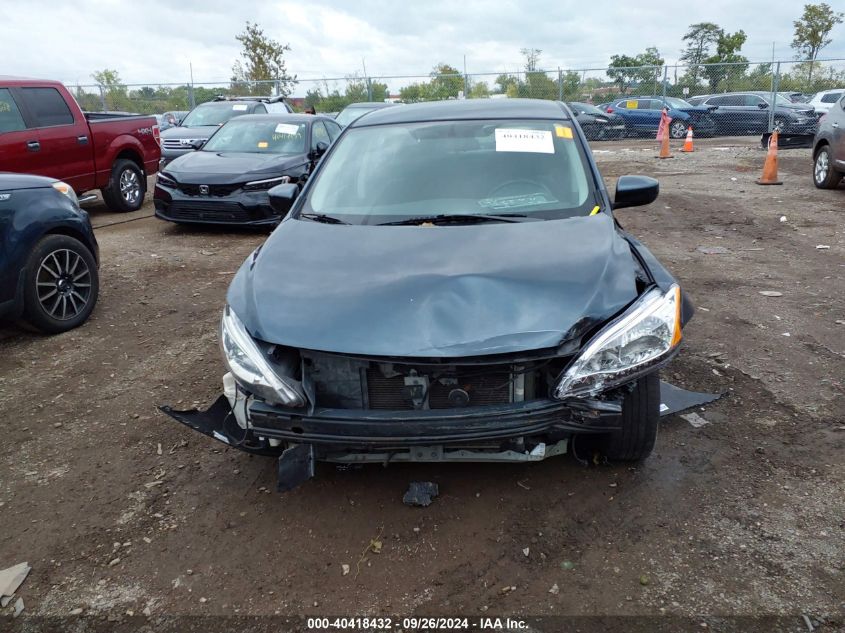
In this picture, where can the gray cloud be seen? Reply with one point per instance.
(155, 40)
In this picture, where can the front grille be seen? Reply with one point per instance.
(173, 144)
(216, 212)
(218, 191)
(484, 386)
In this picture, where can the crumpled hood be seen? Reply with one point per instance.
(216, 168)
(445, 291)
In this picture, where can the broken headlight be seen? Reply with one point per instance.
(639, 339)
(250, 366)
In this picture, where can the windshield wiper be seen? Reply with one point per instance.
(322, 217)
(446, 218)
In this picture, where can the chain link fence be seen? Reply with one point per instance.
(715, 99)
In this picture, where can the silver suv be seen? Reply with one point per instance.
(829, 147)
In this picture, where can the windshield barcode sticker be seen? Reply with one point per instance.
(287, 128)
(515, 140)
(240, 107)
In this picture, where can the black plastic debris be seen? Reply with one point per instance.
(674, 399)
(420, 493)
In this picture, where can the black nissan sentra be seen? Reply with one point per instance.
(451, 284)
(225, 181)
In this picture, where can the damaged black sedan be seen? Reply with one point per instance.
(450, 285)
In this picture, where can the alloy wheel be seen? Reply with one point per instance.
(822, 166)
(63, 284)
(130, 186)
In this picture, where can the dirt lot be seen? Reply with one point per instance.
(118, 509)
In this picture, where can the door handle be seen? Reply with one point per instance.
(834, 124)
(33, 146)
(82, 140)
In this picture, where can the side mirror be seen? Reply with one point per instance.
(282, 197)
(318, 151)
(635, 191)
(762, 105)
(197, 144)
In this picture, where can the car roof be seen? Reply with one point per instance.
(370, 104)
(465, 109)
(281, 117)
(12, 79)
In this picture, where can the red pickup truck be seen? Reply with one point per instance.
(43, 131)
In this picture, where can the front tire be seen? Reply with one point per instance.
(824, 175)
(62, 284)
(678, 129)
(635, 440)
(126, 188)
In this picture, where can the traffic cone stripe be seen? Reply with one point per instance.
(688, 142)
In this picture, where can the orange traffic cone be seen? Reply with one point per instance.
(664, 146)
(770, 168)
(688, 143)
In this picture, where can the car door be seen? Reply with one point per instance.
(634, 117)
(757, 114)
(722, 115)
(836, 118)
(14, 155)
(58, 144)
(651, 110)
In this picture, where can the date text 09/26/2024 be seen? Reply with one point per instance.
(414, 624)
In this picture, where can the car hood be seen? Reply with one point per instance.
(797, 108)
(14, 181)
(220, 168)
(446, 291)
(199, 132)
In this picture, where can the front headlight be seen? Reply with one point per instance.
(641, 338)
(66, 189)
(165, 181)
(250, 366)
(261, 185)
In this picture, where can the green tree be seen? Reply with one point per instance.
(699, 38)
(812, 31)
(625, 70)
(262, 59)
(727, 65)
(112, 89)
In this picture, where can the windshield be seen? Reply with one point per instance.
(350, 114)
(394, 172)
(258, 137)
(586, 108)
(677, 103)
(214, 114)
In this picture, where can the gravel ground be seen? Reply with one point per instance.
(121, 511)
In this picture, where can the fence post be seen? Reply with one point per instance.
(665, 80)
(559, 84)
(102, 97)
(369, 89)
(775, 83)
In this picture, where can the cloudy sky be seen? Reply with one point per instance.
(153, 41)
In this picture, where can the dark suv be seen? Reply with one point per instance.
(829, 147)
(204, 120)
(738, 113)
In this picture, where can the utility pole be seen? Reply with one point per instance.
(191, 100)
(367, 79)
(466, 79)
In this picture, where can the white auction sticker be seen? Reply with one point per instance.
(287, 128)
(240, 106)
(516, 140)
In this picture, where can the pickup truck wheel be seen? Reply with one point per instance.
(640, 415)
(824, 175)
(62, 284)
(126, 188)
